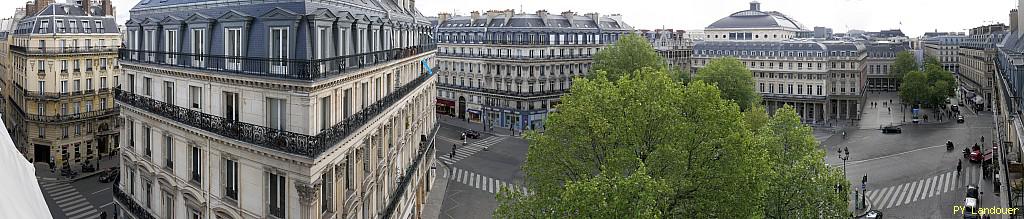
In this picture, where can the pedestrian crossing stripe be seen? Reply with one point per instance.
(910, 192)
(481, 182)
(467, 151)
(68, 200)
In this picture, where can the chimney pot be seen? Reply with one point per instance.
(755, 6)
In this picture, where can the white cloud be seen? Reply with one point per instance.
(917, 16)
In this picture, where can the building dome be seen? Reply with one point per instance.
(755, 18)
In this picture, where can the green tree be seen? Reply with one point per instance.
(733, 78)
(685, 135)
(930, 87)
(628, 55)
(905, 63)
(796, 170)
(914, 88)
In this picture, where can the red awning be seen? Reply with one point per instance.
(443, 102)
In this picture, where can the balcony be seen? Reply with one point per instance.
(515, 57)
(130, 205)
(63, 50)
(274, 139)
(298, 69)
(426, 150)
(504, 92)
(72, 117)
(58, 95)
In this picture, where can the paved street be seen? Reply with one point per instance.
(477, 171)
(912, 175)
(84, 198)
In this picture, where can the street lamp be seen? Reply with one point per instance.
(844, 155)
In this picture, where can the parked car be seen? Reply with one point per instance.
(469, 133)
(892, 129)
(110, 175)
(971, 201)
(873, 214)
(959, 119)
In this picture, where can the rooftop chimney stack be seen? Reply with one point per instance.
(1013, 21)
(755, 6)
(442, 17)
(473, 17)
(87, 7)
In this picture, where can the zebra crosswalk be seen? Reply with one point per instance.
(481, 182)
(71, 203)
(469, 150)
(897, 195)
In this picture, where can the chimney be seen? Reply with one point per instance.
(755, 6)
(30, 9)
(594, 16)
(473, 17)
(442, 17)
(108, 8)
(87, 7)
(1020, 19)
(569, 15)
(1013, 21)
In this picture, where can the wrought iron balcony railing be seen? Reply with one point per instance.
(75, 116)
(516, 57)
(279, 140)
(300, 69)
(130, 205)
(425, 151)
(64, 50)
(57, 95)
(504, 92)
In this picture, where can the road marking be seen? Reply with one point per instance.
(101, 190)
(932, 185)
(82, 209)
(920, 190)
(885, 196)
(909, 195)
(945, 182)
(105, 205)
(87, 214)
(851, 163)
(896, 196)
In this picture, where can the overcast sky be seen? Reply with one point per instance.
(916, 16)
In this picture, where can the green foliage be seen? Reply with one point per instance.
(626, 56)
(733, 78)
(796, 170)
(644, 146)
(930, 88)
(905, 63)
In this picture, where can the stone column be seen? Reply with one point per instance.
(307, 199)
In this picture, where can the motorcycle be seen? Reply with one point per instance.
(949, 146)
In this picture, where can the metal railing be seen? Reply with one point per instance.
(75, 116)
(270, 138)
(64, 50)
(300, 69)
(130, 205)
(58, 95)
(504, 92)
(425, 151)
(515, 57)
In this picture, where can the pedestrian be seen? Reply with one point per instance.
(103, 215)
(452, 155)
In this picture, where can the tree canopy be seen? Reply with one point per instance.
(905, 63)
(627, 55)
(644, 146)
(734, 80)
(930, 88)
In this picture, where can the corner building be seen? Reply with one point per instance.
(64, 63)
(508, 70)
(308, 109)
(823, 80)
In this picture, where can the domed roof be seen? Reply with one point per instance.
(755, 18)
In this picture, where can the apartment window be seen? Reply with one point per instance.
(147, 196)
(41, 65)
(131, 83)
(146, 131)
(231, 179)
(276, 194)
(85, 26)
(198, 46)
(347, 105)
(72, 25)
(131, 181)
(43, 26)
(168, 152)
(168, 205)
(78, 66)
(171, 45)
(169, 92)
(63, 109)
(42, 131)
(197, 165)
(131, 133)
(63, 66)
(42, 87)
(88, 64)
(279, 49)
(63, 86)
(195, 97)
(276, 113)
(103, 63)
(88, 84)
(60, 26)
(147, 86)
(233, 48)
(327, 192)
(231, 106)
(325, 113)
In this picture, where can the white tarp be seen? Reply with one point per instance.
(21, 196)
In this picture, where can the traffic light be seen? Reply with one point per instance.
(864, 180)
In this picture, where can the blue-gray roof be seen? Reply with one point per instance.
(511, 20)
(756, 19)
(66, 14)
(784, 46)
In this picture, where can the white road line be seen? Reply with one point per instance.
(67, 199)
(101, 190)
(72, 207)
(878, 196)
(885, 196)
(80, 210)
(910, 193)
(895, 196)
(55, 193)
(931, 187)
(490, 185)
(921, 190)
(105, 205)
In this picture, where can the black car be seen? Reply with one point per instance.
(959, 119)
(469, 133)
(892, 129)
(110, 175)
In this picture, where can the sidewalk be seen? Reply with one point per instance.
(435, 198)
(43, 170)
(497, 131)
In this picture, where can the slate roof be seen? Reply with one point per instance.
(65, 13)
(757, 19)
(796, 46)
(533, 21)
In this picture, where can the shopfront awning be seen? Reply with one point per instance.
(443, 102)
